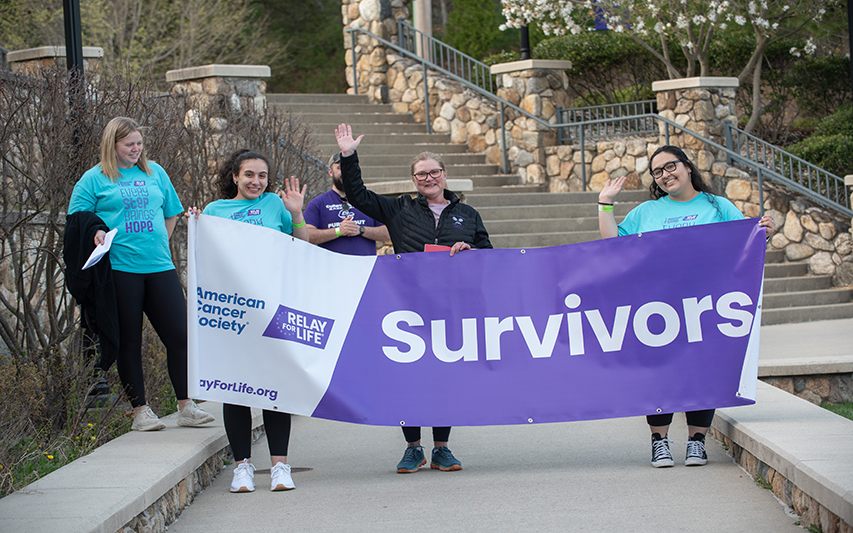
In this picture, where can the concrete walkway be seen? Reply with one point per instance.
(579, 476)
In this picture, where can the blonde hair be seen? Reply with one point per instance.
(116, 130)
(423, 156)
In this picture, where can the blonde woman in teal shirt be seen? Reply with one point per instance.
(136, 198)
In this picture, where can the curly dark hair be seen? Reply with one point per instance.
(696, 178)
(231, 167)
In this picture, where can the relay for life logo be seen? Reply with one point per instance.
(298, 326)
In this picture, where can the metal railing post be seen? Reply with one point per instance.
(559, 110)
(426, 100)
(666, 133)
(400, 33)
(354, 69)
(760, 190)
(503, 139)
(727, 128)
(583, 159)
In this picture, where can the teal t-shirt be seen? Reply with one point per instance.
(666, 213)
(267, 210)
(137, 205)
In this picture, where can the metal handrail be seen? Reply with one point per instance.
(841, 203)
(772, 158)
(426, 63)
(439, 53)
(628, 111)
(316, 171)
(3, 53)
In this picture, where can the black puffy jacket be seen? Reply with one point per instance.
(410, 221)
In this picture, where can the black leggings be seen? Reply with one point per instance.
(700, 419)
(413, 434)
(238, 427)
(161, 298)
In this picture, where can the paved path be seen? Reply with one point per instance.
(579, 476)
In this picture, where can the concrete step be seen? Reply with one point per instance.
(796, 283)
(524, 212)
(450, 160)
(540, 240)
(326, 137)
(785, 270)
(325, 99)
(326, 130)
(482, 199)
(510, 190)
(792, 315)
(372, 172)
(540, 225)
(343, 109)
(807, 298)
(407, 150)
(774, 256)
(357, 120)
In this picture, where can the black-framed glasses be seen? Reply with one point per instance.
(434, 174)
(669, 166)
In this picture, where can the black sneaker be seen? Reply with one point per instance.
(661, 456)
(696, 455)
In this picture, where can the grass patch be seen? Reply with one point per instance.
(844, 409)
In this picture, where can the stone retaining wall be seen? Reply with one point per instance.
(816, 388)
(811, 512)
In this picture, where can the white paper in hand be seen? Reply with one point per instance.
(100, 249)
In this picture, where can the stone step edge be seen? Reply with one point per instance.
(756, 443)
(840, 364)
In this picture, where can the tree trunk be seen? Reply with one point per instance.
(756, 96)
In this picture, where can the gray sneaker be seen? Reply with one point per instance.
(192, 415)
(146, 420)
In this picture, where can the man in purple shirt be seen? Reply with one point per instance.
(336, 225)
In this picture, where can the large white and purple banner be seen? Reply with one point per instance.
(660, 322)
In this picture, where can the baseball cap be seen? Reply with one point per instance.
(336, 158)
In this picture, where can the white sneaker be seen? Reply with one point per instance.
(244, 477)
(146, 420)
(281, 479)
(193, 415)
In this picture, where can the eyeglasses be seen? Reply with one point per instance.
(434, 174)
(669, 167)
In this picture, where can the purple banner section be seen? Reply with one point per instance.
(652, 323)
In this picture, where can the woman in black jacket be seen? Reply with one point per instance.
(436, 217)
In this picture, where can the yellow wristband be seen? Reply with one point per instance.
(605, 207)
(297, 226)
(338, 231)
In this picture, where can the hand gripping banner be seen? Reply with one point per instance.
(660, 322)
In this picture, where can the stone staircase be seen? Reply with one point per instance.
(519, 216)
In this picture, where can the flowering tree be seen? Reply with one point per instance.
(692, 24)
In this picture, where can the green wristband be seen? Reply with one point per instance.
(605, 208)
(297, 226)
(338, 231)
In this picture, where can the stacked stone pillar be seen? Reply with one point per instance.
(31, 60)
(240, 86)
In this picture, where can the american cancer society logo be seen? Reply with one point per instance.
(298, 326)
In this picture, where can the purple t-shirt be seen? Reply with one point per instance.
(327, 211)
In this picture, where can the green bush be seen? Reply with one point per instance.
(607, 67)
(840, 122)
(502, 57)
(472, 28)
(833, 153)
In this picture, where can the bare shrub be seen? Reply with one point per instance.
(48, 138)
